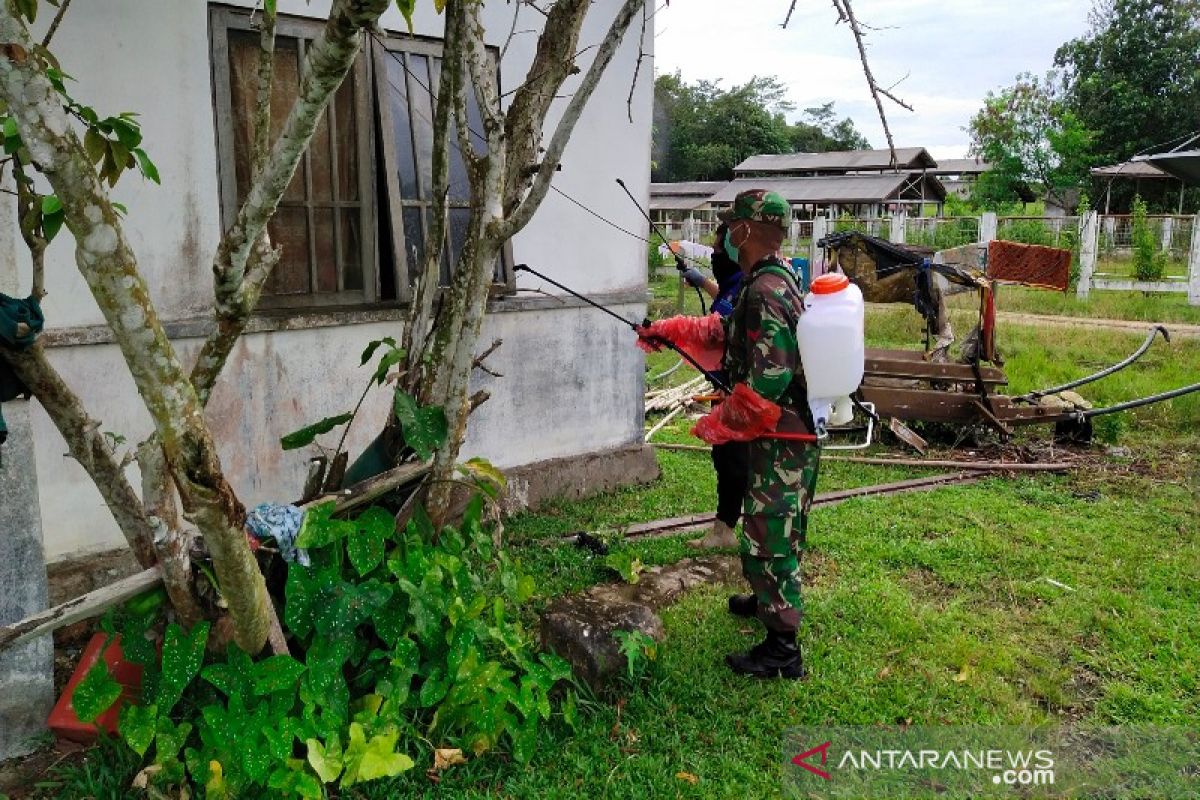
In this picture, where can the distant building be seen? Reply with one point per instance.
(958, 175)
(674, 202)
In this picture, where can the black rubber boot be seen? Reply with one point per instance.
(777, 656)
(743, 605)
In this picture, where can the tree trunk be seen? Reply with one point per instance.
(109, 267)
(87, 446)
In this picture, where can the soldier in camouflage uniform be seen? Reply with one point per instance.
(761, 354)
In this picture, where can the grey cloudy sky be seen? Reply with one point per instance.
(955, 50)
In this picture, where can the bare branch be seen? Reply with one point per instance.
(512, 31)
(788, 18)
(58, 18)
(637, 68)
(520, 217)
(846, 14)
(266, 77)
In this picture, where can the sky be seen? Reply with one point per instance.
(953, 52)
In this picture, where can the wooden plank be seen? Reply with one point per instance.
(89, 605)
(886, 366)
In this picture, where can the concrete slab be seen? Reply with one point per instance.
(27, 671)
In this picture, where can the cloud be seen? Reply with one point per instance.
(953, 53)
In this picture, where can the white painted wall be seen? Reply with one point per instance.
(573, 379)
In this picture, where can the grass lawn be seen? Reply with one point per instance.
(1010, 601)
(931, 608)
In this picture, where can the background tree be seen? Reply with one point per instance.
(703, 131)
(1032, 141)
(1133, 78)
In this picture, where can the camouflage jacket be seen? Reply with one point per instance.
(760, 341)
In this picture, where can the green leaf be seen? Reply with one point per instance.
(367, 760)
(277, 673)
(51, 204)
(181, 658)
(406, 9)
(52, 224)
(120, 208)
(490, 479)
(95, 145)
(280, 736)
(294, 779)
(374, 345)
(96, 693)
(433, 689)
(625, 563)
(424, 427)
(146, 165)
(327, 763)
(365, 546)
(269, 6)
(305, 436)
(136, 725)
(169, 739)
(390, 359)
(319, 529)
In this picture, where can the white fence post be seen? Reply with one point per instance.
(794, 236)
(689, 229)
(1194, 264)
(816, 256)
(897, 230)
(987, 226)
(1087, 254)
(1168, 226)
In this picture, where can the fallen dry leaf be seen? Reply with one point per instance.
(444, 758)
(963, 674)
(142, 779)
(883, 673)
(687, 776)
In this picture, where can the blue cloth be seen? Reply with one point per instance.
(727, 292)
(280, 522)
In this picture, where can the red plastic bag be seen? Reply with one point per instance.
(743, 416)
(702, 338)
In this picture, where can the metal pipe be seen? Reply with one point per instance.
(1032, 396)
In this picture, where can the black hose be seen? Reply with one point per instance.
(679, 265)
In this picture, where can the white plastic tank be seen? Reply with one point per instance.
(832, 351)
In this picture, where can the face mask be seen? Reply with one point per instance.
(730, 247)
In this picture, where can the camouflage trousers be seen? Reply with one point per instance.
(783, 480)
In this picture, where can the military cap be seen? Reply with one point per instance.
(759, 205)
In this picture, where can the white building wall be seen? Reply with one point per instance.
(572, 377)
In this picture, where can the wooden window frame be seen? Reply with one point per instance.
(381, 48)
(221, 21)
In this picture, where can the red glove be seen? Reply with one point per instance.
(702, 338)
(743, 416)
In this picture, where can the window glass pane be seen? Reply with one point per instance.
(326, 254)
(289, 230)
(397, 89)
(351, 243)
(319, 158)
(243, 85)
(414, 242)
(421, 103)
(347, 139)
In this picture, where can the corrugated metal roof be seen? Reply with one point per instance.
(1183, 164)
(828, 189)
(1130, 169)
(677, 203)
(907, 158)
(960, 166)
(705, 188)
